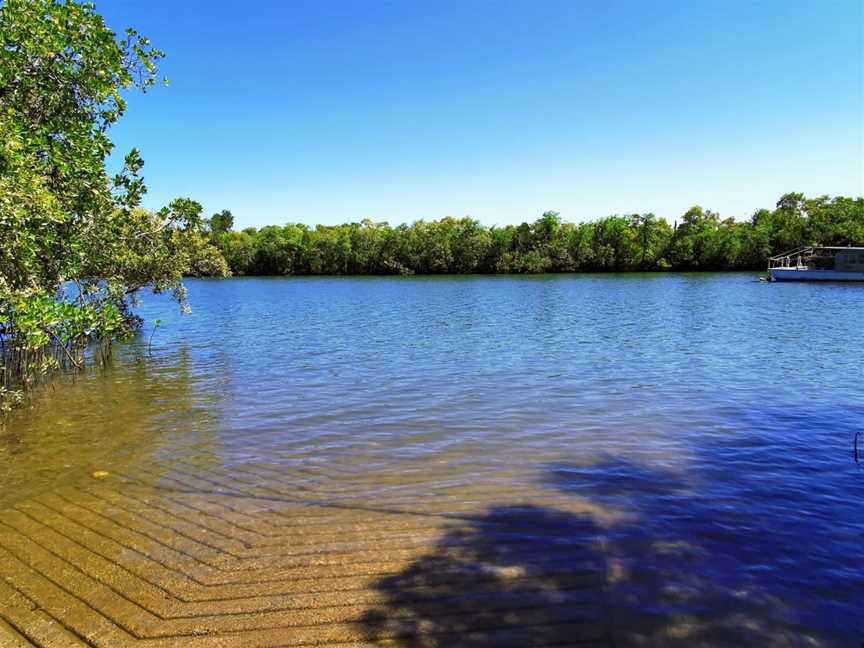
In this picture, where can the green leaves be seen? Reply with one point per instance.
(128, 186)
(75, 248)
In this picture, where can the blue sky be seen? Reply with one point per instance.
(338, 110)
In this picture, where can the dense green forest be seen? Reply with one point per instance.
(700, 240)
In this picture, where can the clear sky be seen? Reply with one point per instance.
(330, 111)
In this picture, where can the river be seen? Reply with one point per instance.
(631, 459)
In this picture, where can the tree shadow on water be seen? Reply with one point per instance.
(515, 576)
(666, 573)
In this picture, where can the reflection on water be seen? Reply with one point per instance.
(626, 460)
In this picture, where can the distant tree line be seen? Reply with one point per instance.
(702, 240)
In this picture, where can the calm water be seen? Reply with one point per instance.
(695, 431)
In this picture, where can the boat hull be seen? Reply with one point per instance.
(791, 274)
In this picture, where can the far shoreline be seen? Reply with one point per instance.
(574, 273)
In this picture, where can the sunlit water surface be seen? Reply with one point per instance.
(695, 431)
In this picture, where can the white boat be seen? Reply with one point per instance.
(817, 263)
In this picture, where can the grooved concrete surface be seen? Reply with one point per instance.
(190, 554)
